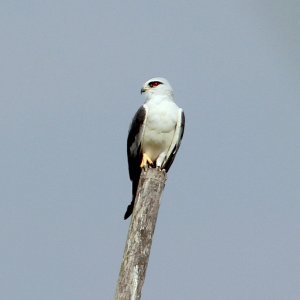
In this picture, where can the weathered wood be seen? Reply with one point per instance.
(139, 239)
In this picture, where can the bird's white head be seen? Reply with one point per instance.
(157, 86)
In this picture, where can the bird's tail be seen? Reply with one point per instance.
(129, 209)
(135, 183)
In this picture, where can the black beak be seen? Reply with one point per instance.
(143, 90)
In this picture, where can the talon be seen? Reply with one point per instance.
(161, 169)
(145, 161)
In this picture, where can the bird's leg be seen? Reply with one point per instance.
(161, 160)
(145, 161)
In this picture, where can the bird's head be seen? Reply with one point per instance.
(157, 86)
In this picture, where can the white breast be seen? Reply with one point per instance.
(159, 128)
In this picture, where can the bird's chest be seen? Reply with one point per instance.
(161, 118)
(160, 126)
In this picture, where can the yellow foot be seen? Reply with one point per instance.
(146, 160)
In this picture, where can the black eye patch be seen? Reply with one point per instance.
(154, 83)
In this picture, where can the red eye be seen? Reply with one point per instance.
(154, 83)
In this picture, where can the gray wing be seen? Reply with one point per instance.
(176, 141)
(134, 142)
(134, 153)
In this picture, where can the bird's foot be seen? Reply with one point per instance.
(146, 161)
(161, 169)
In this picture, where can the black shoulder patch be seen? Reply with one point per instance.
(134, 153)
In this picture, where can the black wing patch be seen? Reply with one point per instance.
(134, 153)
(177, 145)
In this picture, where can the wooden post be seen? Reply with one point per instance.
(139, 239)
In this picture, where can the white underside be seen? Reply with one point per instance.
(160, 134)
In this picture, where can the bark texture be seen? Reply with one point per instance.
(139, 239)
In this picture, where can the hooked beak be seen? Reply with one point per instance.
(145, 89)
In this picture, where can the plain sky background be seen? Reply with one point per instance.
(70, 76)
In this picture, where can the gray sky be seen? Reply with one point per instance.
(70, 77)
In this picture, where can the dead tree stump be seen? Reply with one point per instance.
(140, 234)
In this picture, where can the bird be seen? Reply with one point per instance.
(155, 132)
